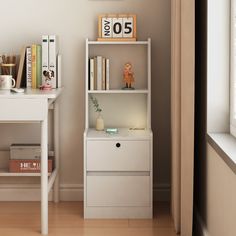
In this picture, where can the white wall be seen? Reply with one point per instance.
(23, 23)
(217, 208)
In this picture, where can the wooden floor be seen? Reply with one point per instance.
(66, 219)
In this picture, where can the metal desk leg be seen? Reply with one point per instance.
(44, 177)
(56, 151)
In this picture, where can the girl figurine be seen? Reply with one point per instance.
(128, 76)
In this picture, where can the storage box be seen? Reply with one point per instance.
(28, 166)
(25, 151)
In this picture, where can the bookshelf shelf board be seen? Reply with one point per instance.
(6, 173)
(140, 91)
(118, 42)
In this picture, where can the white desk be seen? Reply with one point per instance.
(32, 106)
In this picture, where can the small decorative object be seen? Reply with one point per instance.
(7, 82)
(128, 76)
(48, 75)
(112, 130)
(8, 65)
(117, 27)
(99, 121)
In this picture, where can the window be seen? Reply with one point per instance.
(233, 70)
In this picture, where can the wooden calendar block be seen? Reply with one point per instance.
(117, 27)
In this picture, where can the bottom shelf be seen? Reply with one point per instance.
(6, 173)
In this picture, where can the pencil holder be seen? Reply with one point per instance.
(8, 69)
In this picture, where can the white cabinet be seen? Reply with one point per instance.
(118, 167)
(118, 155)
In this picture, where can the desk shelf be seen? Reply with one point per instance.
(6, 173)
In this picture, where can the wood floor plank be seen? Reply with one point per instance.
(66, 219)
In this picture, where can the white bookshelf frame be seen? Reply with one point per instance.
(124, 136)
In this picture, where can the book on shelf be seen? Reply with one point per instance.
(91, 73)
(19, 79)
(107, 74)
(95, 73)
(98, 73)
(51, 61)
(38, 66)
(45, 55)
(53, 52)
(33, 50)
(28, 68)
(103, 73)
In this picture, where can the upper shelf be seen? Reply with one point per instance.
(118, 42)
(138, 91)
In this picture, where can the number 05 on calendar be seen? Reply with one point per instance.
(117, 27)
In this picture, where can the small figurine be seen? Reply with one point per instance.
(128, 76)
(48, 76)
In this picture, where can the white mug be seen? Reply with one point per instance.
(7, 82)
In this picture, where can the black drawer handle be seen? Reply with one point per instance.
(118, 145)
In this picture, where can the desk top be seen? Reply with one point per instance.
(32, 93)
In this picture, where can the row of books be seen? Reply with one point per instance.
(99, 73)
(43, 63)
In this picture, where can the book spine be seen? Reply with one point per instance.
(38, 66)
(28, 68)
(107, 74)
(95, 73)
(91, 71)
(99, 73)
(59, 76)
(44, 57)
(53, 59)
(33, 49)
(103, 73)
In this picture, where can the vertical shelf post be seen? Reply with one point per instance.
(56, 151)
(44, 176)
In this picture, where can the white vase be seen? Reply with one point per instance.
(99, 123)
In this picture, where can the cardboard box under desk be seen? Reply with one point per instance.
(28, 166)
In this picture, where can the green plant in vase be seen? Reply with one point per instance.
(99, 121)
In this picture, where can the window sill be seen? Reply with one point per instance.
(225, 145)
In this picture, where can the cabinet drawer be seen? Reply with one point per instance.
(118, 155)
(23, 109)
(118, 191)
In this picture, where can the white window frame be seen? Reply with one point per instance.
(233, 71)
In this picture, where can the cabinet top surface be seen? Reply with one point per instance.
(32, 93)
(123, 133)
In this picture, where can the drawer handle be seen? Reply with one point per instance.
(118, 145)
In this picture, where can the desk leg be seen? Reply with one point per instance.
(56, 151)
(44, 177)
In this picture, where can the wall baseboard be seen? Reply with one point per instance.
(161, 192)
(199, 226)
(68, 192)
